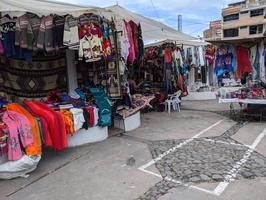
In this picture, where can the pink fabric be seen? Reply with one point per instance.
(19, 127)
(131, 54)
(1, 48)
(167, 55)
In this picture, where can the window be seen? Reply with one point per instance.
(255, 13)
(231, 32)
(244, 12)
(231, 17)
(256, 29)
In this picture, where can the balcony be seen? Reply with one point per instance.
(257, 4)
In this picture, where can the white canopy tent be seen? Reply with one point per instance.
(43, 7)
(153, 31)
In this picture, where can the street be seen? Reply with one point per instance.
(198, 153)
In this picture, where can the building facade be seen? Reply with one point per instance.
(214, 32)
(244, 20)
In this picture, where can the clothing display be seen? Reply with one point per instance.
(54, 127)
(19, 131)
(33, 79)
(35, 148)
(78, 118)
(243, 62)
(68, 117)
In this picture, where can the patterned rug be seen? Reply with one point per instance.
(22, 79)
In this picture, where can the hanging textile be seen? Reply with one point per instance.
(210, 54)
(131, 52)
(256, 63)
(168, 69)
(53, 122)
(35, 79)
(35, 148)
(19, 131)
(243, 62)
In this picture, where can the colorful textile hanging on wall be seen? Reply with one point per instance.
(35, 79)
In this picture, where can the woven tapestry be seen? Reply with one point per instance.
(35, 79)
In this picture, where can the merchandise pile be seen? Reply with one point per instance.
(248, 93)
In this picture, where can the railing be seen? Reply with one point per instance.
(254, 4)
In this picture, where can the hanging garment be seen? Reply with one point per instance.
(264, 54)
(58, 31)
(19, 130)
(210, 54)
(228, 57)
(167, 55)
(134, 28)
(90, 17)
(21, 34)
(177, 62)
(71, 31)
(86, 116)
(3, 139)
(219, 62)
(90, 29)
(122, 37)
(256, 64)
(1, 48)
(141, 47)
(91, 48)
(35, 148)
(168, 76)
(54, 123)
(69, 121)
(201, 57)
(96, 116)
(78, 118)
(45, 37)
(243, 62)
(233, 50)
(27, 31)
(131, 50)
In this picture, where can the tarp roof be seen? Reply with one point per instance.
(152, 30)
(186, 43)
(41, 7)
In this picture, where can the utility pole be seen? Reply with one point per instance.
(179, 22)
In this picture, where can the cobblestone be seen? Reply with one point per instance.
(203, 160)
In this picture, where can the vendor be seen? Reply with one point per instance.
(133, 85)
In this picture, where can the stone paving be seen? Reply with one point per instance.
(207, 159)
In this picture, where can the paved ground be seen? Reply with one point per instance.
(195, 154)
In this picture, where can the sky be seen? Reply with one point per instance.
(196, 14)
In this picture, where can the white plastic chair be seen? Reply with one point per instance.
(173, 101)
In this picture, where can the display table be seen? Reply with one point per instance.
(128, 123)
(194, 96)
(82, 136)
(244, 101)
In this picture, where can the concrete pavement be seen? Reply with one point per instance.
(100, 171)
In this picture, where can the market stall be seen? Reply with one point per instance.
(52, 110)
(253, 97)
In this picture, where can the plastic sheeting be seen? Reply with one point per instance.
(18, 168)
(42, 7)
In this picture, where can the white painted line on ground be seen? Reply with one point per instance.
(228, 143)
(143, 167)
(152, 173)
(179, 182)
(231, 174)
(230, 177)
